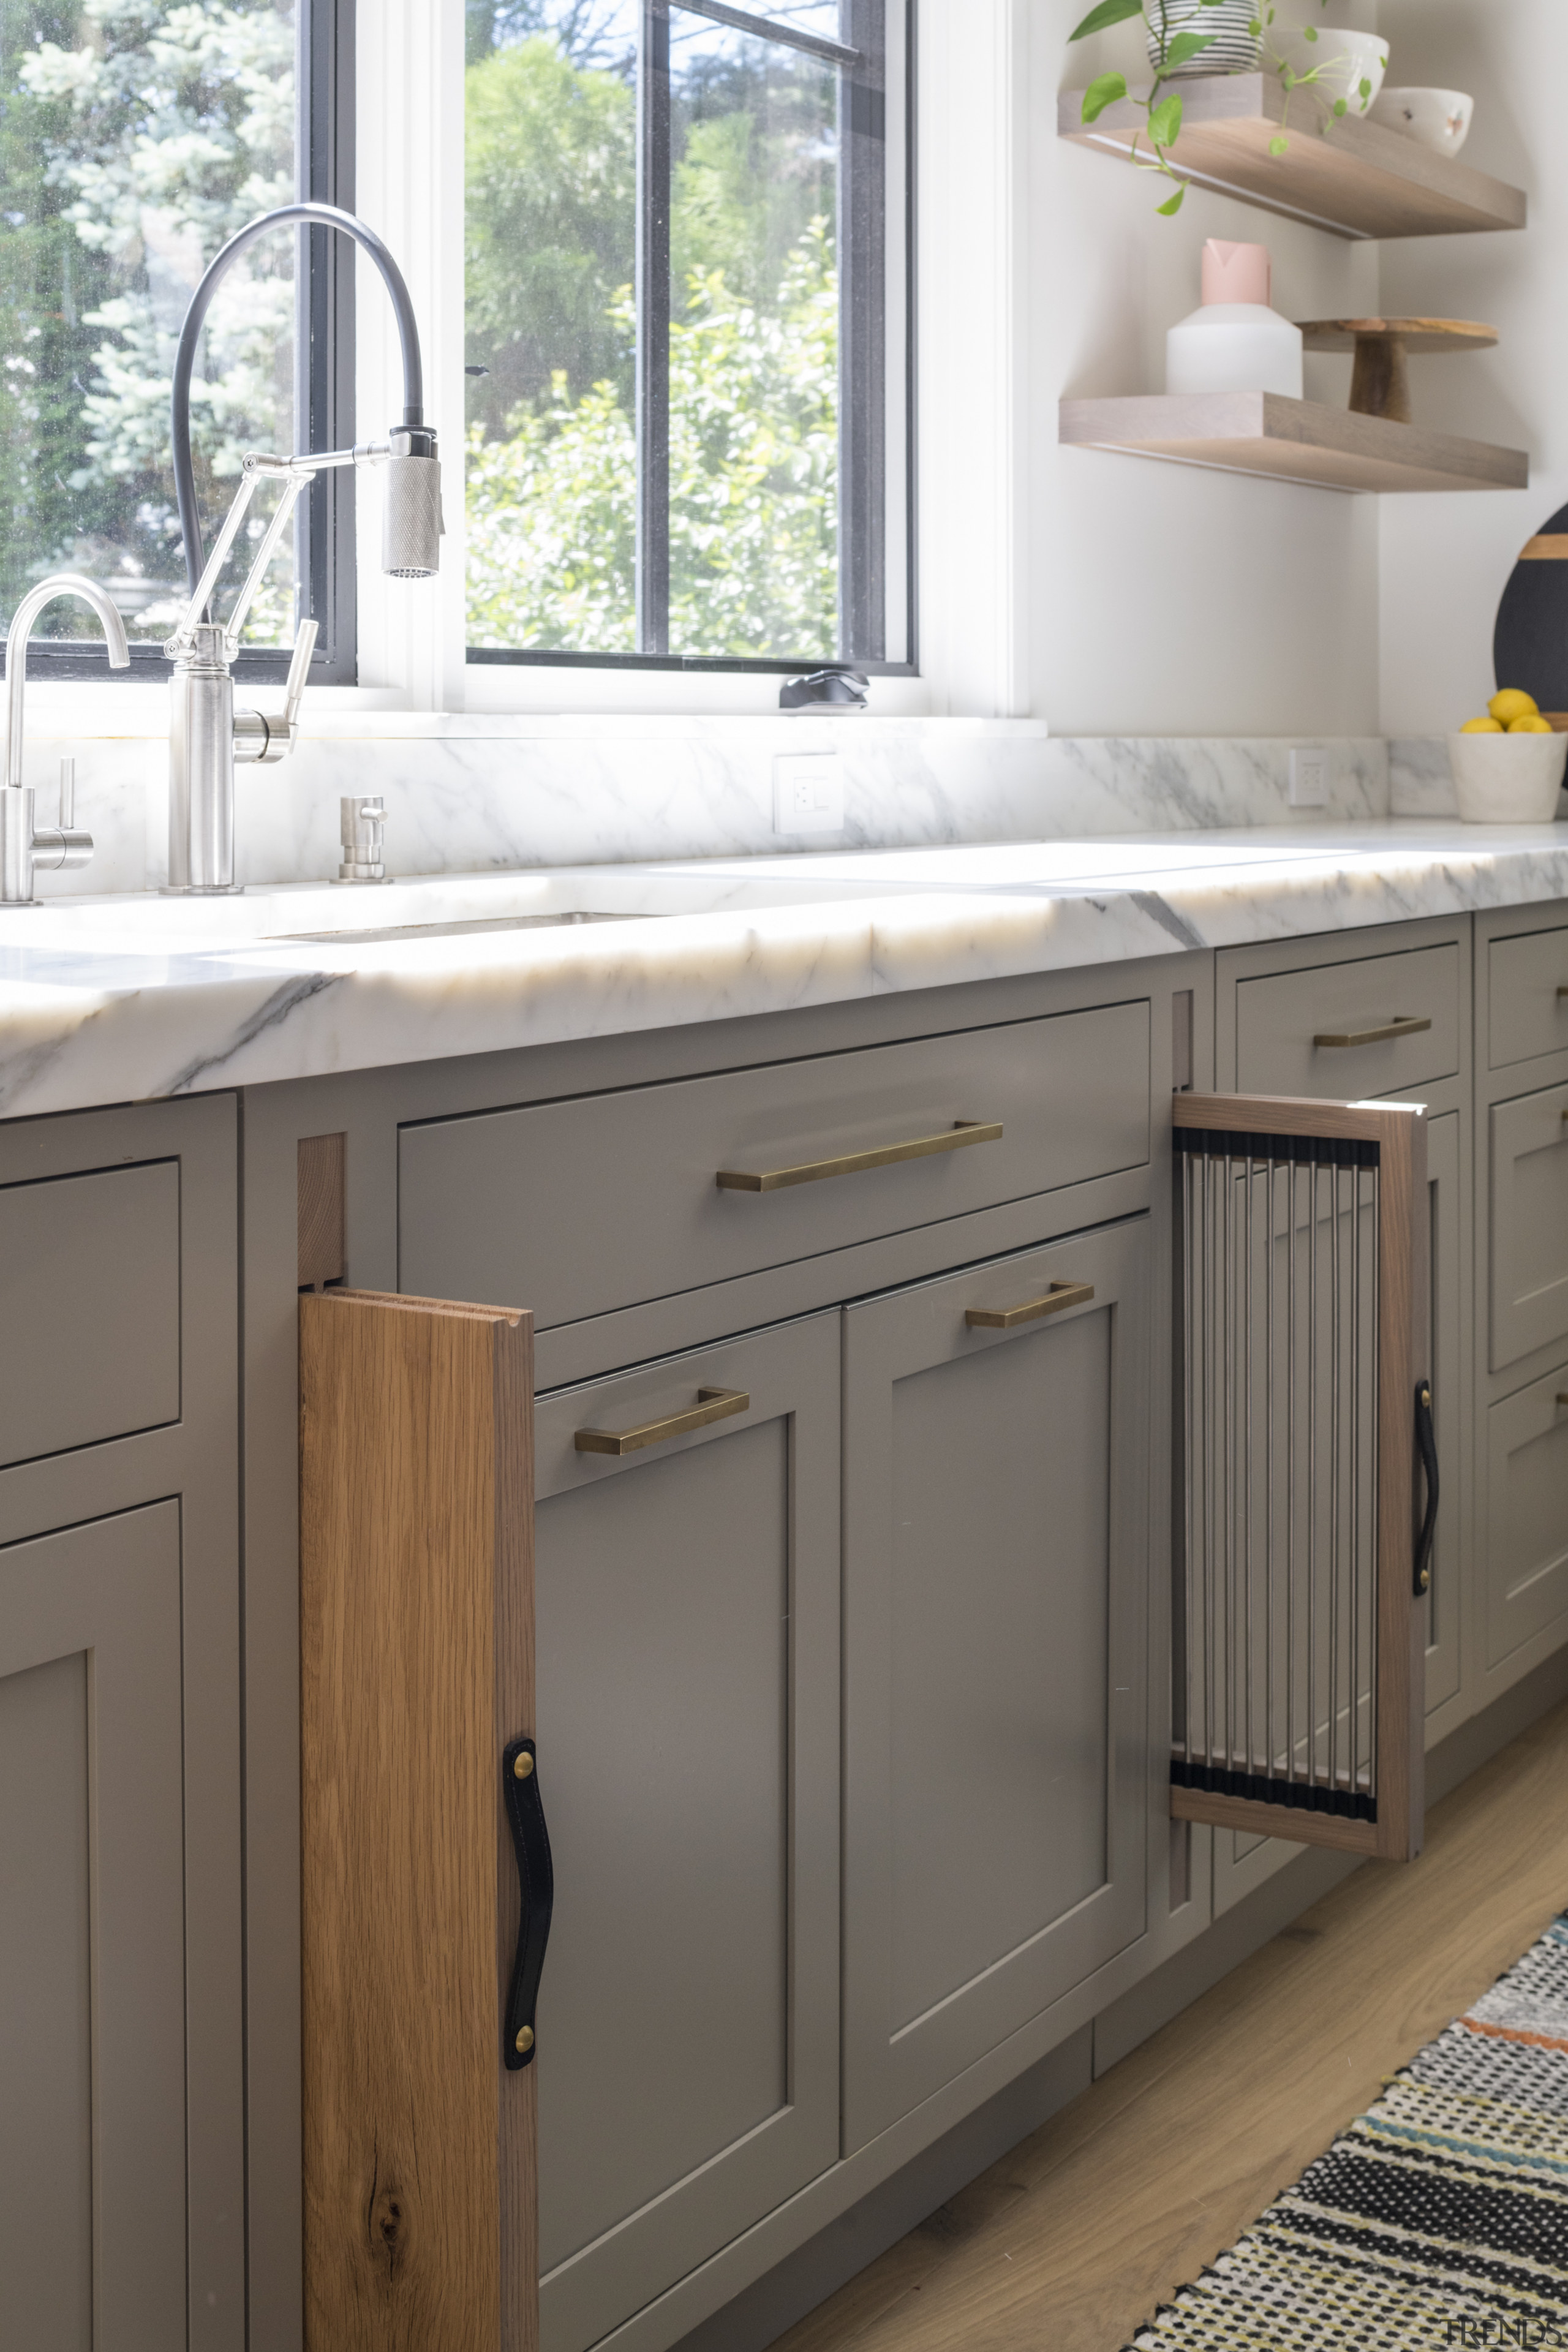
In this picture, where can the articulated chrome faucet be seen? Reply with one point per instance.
(23, 848)
(206, 734)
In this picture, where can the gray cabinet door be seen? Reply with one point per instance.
(1526, 1523)
(687, 1612)
(92, 1980)
(996, 1643)
(1529, 1225)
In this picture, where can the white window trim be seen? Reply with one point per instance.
(971, 276)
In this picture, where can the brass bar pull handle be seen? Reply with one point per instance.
(957, 1138)
(712, 1405)
(1402, 1027)
(1056, 1300)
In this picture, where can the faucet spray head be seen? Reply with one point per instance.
(413, 527)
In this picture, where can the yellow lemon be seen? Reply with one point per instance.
(1536, 726)
(1483, 727)
(1511, 704)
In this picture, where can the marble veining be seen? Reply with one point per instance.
(476, 794)
(129, 998)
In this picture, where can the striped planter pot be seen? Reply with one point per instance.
(1234, 48)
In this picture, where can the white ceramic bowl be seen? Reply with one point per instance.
(1508, 778)
(1344, 60)
(1439, 118)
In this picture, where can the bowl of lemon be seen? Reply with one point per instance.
(1508, 766)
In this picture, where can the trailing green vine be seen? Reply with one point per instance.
(1163, 105)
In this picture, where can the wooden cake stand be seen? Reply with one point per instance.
(1381, 385)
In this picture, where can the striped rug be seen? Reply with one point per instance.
(1439, 2218)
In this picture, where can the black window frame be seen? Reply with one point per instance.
(324, 386)
(865, 489)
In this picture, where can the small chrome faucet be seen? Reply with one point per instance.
(23, 847)
(362, 825)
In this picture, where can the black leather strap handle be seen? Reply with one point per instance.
(1426, 1447)
(536, 1880)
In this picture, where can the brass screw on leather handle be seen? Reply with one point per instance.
(524, 2040)
(522, 1765)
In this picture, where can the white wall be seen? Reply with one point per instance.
(1165, 601)
(1446, 561)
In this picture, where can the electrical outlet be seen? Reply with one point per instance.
(808, 793)
(1308, 779)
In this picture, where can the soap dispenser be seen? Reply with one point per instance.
(1236, 342)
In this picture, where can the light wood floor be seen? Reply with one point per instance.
(1070, 2241)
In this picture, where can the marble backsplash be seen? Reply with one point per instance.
(467, 795)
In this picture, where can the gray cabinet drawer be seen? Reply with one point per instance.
(578, 1208)
(89, 1304)
(1530, 1224)
(1526, 1545)
(1528, 997)
(1279, 1019)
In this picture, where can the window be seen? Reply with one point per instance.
(687, 328)
(135, 137)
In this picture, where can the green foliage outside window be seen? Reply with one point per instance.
(754, 407)
(135, 137)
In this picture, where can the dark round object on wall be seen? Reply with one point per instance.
(1530, 647)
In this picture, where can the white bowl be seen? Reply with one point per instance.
(1439, 118)
(1344, 60)
(1508, 778)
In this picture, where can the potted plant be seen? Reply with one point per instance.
(1228, 36)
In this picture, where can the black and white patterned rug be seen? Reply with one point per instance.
(1439, 2218)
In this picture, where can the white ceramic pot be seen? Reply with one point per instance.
(1234, 48)
(1439, 118)
(1234, 347)
(1508, 778)
(1344, 61)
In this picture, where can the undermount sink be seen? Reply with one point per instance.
(479, 923)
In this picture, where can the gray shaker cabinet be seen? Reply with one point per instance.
(687, 1620)
(995, 1658)
(121, 2094)
(92, 1982)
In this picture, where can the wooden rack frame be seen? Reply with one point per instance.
(1272, 1608)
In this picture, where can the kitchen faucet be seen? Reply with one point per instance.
(24, 849)
(206, 734)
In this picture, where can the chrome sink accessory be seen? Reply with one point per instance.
(361, 829)
(827, 693)
(23, 847)
(206, 734)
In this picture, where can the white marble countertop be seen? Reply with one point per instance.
(124, 998)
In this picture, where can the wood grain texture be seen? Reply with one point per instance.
(1070, 2243)
(322, 1166)
(1290, 440)
(1402, 1254)
(1253, 1819)
(417, 1668)
(1359, 179)
(1415, 334)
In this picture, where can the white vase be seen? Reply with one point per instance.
(1233, 48)
(1236, 342)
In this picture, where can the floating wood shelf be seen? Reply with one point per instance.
(1292, 441)
(1358, 179)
